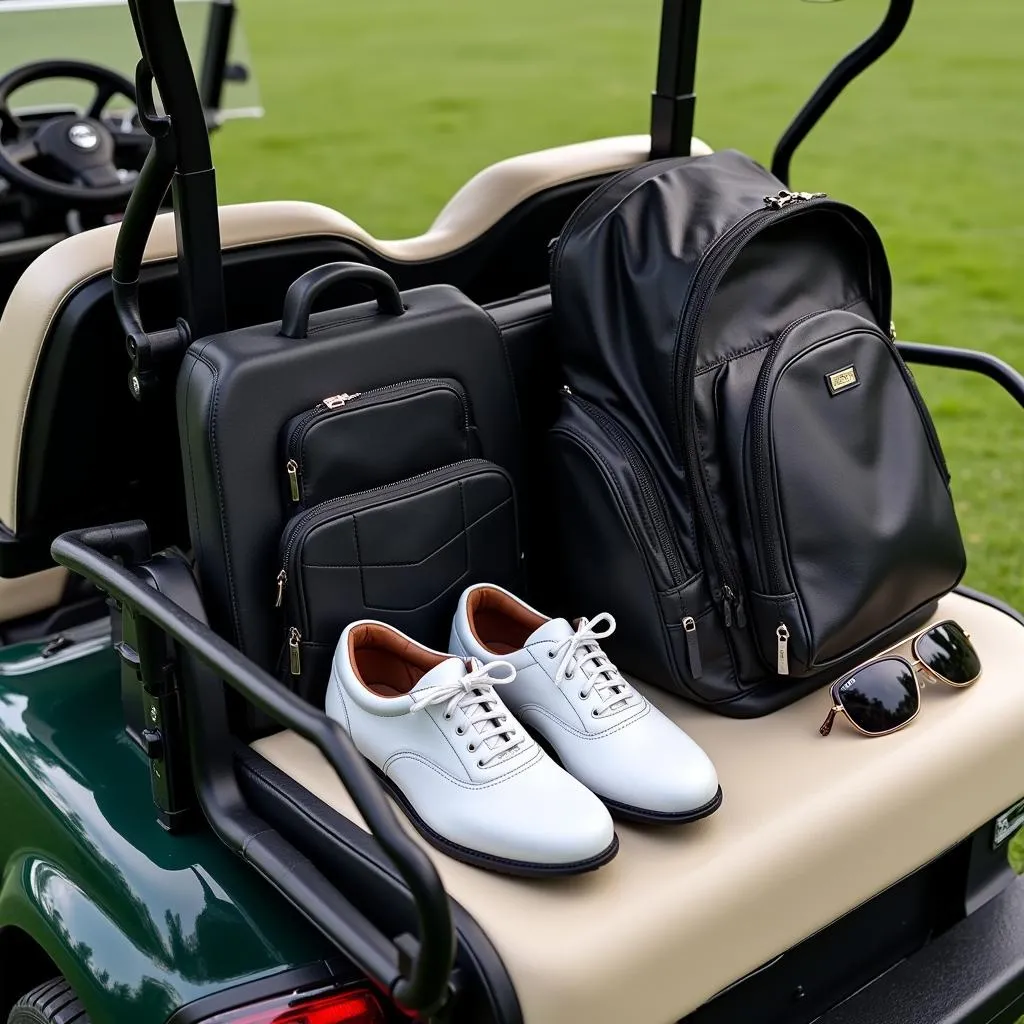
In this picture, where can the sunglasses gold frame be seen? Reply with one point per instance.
(914, 664)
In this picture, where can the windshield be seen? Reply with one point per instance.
(101, 31)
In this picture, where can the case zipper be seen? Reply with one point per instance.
(653, 496)
(369, 398)
(294, 652)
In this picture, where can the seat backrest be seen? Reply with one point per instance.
(74, 447)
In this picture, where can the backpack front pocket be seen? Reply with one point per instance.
(852, 520)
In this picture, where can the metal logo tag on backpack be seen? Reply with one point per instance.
(842, 380)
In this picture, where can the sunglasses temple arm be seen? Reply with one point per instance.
(826, 726)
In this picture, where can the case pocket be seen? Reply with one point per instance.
(853, 523)
(349, 443)
(401, 553)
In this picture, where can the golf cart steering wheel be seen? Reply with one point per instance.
(77, 153)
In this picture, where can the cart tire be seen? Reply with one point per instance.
(53, 1002)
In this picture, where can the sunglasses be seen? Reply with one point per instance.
(884, 694)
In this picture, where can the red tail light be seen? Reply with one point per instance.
(353, 1006)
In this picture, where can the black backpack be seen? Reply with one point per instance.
(743, 470)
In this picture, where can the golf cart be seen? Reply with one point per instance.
(71, 145)
(188, 839)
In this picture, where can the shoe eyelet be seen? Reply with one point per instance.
(569, 675)
(480, 764)
(551, 654)
(471, 747)
(583, 696)
(447, 717)
(460, 731)
(593, 713)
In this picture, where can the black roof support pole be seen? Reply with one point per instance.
(194, 184)
(853, 64)
(215, 59)
(674, 99)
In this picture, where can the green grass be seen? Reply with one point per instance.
(383, 109)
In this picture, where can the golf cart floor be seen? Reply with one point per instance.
(809, 829)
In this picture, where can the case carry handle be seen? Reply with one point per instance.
(303, 291)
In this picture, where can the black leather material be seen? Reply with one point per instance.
(343, 445)
(402, 554)
(236, 390)
(741, 432)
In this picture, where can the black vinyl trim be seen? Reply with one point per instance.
(289, 804)
(284, 982)
(973, 974)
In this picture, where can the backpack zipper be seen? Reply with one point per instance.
(761, 467)
(335, 402)
(653, 496)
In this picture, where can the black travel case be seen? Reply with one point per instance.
(237, 390)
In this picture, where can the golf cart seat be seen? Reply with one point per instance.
(808, 831)
(68, 426)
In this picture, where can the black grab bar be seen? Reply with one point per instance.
(418, 975)
(1009, 379)
(181, 157)
(853, 64)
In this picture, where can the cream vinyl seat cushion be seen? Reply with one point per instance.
(809, 829)
(56, 274)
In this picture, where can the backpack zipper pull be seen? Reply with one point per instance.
(782, 633)
(282, 582)
(731, 603)
(291, 467)
(337, 401)
(741, 614)
(693, 647)
(787, 198)
(294, 654)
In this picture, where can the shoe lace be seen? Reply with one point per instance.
(496, 731)
(582, 651)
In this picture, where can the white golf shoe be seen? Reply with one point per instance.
(569, 694)
(470, 778)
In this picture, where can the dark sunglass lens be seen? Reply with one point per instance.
(881, 696)
(946, 650)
